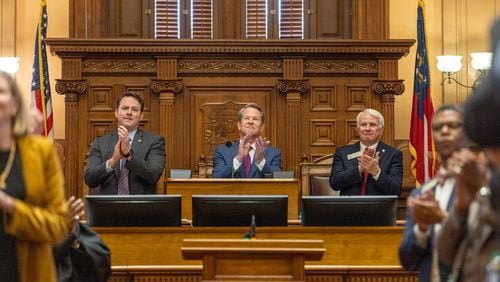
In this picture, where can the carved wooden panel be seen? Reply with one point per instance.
(323, 132)
(357, 98)
(216, 111)
(101, 98)
(108, 66)
(351, 130)
(100, 127)
(323, 98)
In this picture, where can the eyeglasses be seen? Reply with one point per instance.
(450, 125)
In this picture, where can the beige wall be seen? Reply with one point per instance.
(17, 38)
(453, 27)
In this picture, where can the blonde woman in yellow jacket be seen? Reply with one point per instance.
(31, 194)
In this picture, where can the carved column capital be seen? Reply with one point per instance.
(73, 86)
(298, 85)
(394, 87)
(166, 85)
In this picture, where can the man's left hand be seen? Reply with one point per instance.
(260, 149)
(369, 164)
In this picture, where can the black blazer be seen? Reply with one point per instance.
(345, 176)
(145, 167)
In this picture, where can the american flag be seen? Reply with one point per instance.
(40, 84)
(423, 155)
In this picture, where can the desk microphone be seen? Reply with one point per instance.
(229, 144)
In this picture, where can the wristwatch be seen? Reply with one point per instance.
(130, 153)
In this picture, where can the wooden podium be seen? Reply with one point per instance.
(252, 260)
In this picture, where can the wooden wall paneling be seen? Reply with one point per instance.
(228, 18)
(303, 86)
(370, 19)
(89, 19)
(327, 19)
(132, 19)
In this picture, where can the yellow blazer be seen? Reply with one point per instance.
(38, 222)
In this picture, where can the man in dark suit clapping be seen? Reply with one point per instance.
(128, 160)
(251, 156)
(367, 167)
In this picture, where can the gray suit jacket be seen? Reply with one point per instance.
(145, 166)
(468, 242)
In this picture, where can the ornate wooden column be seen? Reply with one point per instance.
(71, 89)
(293, 85)
(166, 86)
(386, 89)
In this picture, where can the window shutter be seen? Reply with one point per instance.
(256, 19)
(166, 19)
(291, 19)
(201, 19)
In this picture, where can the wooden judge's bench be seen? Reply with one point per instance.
(311, 91)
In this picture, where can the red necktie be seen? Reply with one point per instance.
(247, 162)
(365, 177)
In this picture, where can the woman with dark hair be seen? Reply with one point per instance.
(31, 193)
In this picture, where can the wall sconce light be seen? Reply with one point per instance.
(450, 64)
(9, 64)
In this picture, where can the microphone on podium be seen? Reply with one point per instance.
(252, 233)
(229, 144)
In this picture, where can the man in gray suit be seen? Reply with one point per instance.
(128, 160)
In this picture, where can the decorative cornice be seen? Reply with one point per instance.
(118, 66)
(71, 86)
(340, 66)
(300, 85)
(395, 87)
(393, 48)
(230, 66)
(163, 85)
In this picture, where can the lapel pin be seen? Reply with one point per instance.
(139, 140)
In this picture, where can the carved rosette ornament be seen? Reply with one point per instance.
(166, 85)
(77, 86)
(394, 87)
(299, 85)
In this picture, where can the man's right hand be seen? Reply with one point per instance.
(117, 155)
(425, 210)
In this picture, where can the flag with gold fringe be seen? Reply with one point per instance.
(40, 84)
(422, 151)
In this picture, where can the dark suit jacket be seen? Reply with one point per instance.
(223, 162)
(345, 175)
(414, 257)
(145, 167)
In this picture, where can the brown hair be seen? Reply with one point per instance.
(254, 106)
(133, 95)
